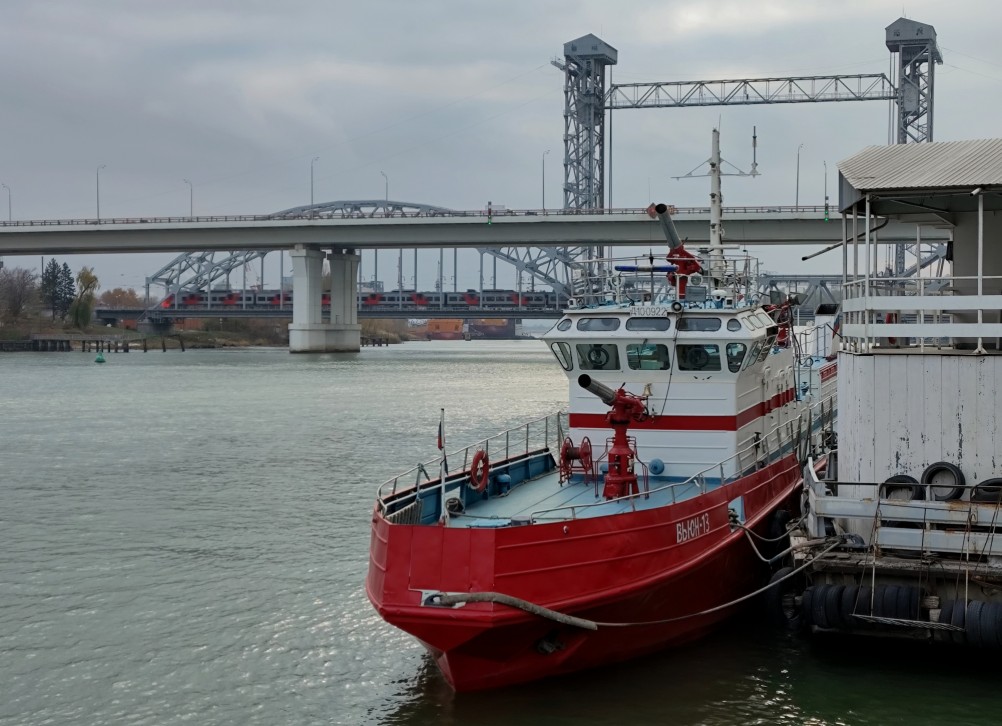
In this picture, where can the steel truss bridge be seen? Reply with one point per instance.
(588, 105)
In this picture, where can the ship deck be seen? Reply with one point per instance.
(535, 500)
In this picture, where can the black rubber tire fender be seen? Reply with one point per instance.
(888, 601)
(807, 607)
(818, 612)
(780, 601)
(991, 625)
(944, 492)
(959, 619)
(908, 604)
(946, 612)
(988, 492)
(973, 627)
(902, 482)
(833, 605)
(850, 597)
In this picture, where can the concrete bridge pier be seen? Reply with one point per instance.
(308, 332)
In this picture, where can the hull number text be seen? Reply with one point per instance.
(692, 528)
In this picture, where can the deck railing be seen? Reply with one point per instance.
(546, 432)
(921, 312)
(959, 526)
(599, 282)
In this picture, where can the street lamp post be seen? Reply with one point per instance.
(386, 196)
(9, 218)
(798, 176)
(313, 161)
(825, 162)
(544, 178)
(97, 176)
(191, 199)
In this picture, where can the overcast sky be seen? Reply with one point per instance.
(455, 100)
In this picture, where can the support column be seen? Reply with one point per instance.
(308, 332)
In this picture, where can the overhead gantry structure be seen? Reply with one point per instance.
(914, 53)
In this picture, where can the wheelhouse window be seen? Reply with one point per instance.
(564, 324)
(735, 353)
(700, 325)
(702, 357)
(563, 353)
(734, 325)
(598, 325)
(752, 358)
(658, 324)
(647, 357)
(767, 348)
(598, 356)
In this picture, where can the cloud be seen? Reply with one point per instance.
(455, 100)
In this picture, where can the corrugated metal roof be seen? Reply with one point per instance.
(932, 165)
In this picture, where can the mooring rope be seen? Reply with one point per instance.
(458, 598)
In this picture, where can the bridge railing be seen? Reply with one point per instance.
(399, 214)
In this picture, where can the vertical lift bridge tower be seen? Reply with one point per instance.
(914, 54)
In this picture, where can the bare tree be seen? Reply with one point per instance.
(18, 290)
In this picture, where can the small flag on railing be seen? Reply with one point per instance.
(441, 439)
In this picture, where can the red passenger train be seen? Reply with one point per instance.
(393, 300)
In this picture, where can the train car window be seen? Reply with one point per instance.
(563, 353)
(598, 356)
(648, 323)
(564, 324)
(601, 325)
(735, 353)
(700, 357)
(700, 325)
(647, 357)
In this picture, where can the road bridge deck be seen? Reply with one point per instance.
(529, 228)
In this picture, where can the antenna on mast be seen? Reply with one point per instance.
(716, 197)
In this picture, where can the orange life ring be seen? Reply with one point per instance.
(479, 470)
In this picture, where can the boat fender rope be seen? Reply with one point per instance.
(448, 599)
(459, 598)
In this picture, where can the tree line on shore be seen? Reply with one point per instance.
(56, 294)
(29, 301)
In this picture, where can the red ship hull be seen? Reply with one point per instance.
(650, 570)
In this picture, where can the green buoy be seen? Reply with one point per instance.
(100, 358)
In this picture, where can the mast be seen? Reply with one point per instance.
(716, 212)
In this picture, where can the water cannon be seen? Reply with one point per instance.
(601, 390)
(668, 226)
(621, 478)
(626, 406)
